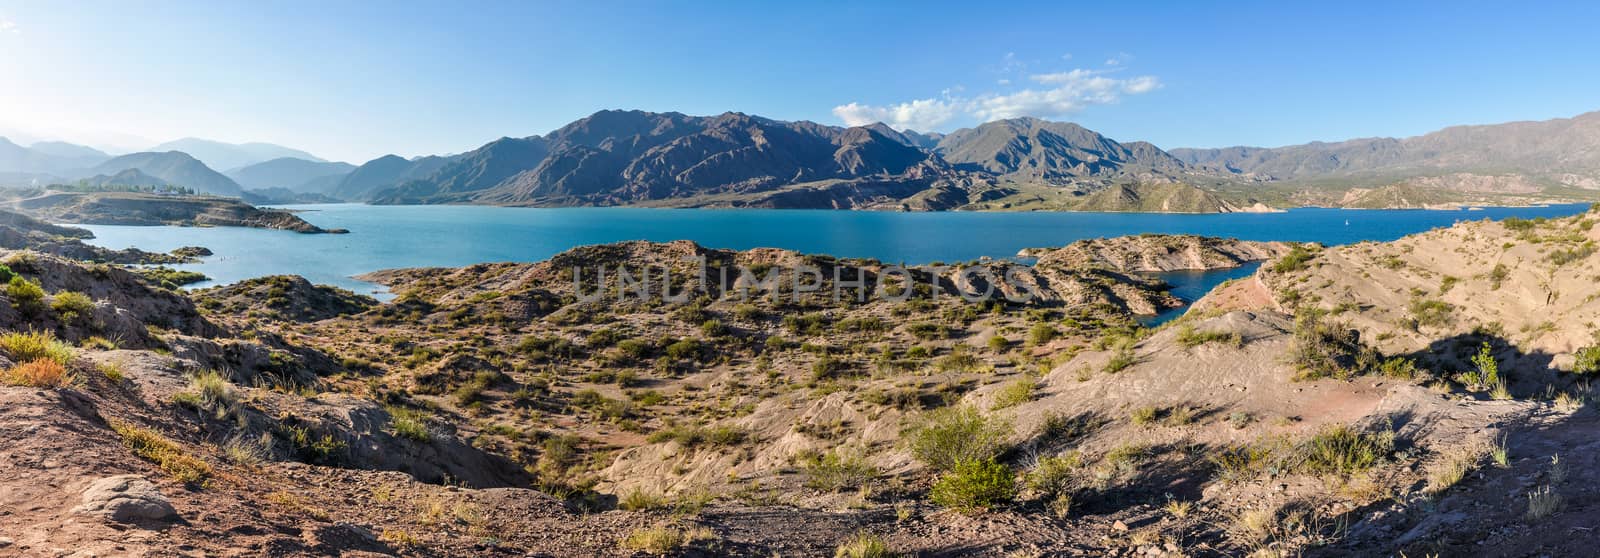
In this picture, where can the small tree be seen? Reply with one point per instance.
(1485, 373)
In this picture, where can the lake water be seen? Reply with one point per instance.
(385, 237)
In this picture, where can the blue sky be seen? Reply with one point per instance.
(353, 79)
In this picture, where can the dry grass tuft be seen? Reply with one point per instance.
(40, 373)
(152, 446)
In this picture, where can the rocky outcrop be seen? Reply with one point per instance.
(125, 499)
(1158, 253)
(132, 208)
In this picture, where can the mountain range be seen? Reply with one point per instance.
(618, 157)
(225, 156)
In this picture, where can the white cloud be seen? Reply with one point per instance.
(8, 26)
(1059, 94)
(921, 114)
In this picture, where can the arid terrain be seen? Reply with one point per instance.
(1428, 396)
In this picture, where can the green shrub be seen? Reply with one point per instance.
(1322, 349)
(1144, 416)
(639, 500)
(1431, 313)
(947, 437)
(1295, 260)
(927, 331)
(998, 343)
(1189, 338)
(1015, 393)
(1485, 373)
(210, 391)
(26, 295)
(72, 305)
(1056, 476)
(1121, 359)
(1588, 360)
(410, 423)
(35, 345)
(1040, 334)
(975, 485)
(1342, 450)
(863, 545)
(836, 470)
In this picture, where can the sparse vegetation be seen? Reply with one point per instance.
(152, 446)
(665, 539)
(836, 470)
(1190, 338)
(863, 545)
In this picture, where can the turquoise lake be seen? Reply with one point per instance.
(384, 237)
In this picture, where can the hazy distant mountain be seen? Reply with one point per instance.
(1546, 149)
(228, 156)
(382, 173)
(297, 175)
(70, 151)
(176, 168)
(47, 157)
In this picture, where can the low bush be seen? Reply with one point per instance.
(410, 423)
(1015, 393)
(1295, 260)
(1342, 450)
(1040, 334)
(25, 295)
(947, 437)
(35, 345)
(72, 306)
(836, 470)
(975, 485)
(1324, 349)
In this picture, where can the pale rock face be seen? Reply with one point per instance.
(126, 499)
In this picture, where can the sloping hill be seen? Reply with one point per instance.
(383, 173)
(176, 168)
(1033, 149)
